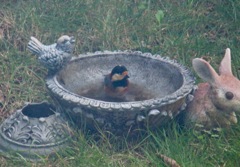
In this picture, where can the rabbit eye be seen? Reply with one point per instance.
(229, 95)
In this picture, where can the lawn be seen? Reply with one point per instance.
(179, 29)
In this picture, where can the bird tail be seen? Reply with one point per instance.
(35, 46)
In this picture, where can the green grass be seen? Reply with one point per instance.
(188, 29)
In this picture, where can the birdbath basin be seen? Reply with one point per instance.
(159, 90)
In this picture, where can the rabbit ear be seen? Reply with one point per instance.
(205, 70)
(225, 66)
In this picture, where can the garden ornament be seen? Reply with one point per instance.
(216, 101)
(53, 56)
(33, 131)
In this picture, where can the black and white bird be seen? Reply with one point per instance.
(53, 56)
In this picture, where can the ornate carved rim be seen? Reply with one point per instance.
(185, 89)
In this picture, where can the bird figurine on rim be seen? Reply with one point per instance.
(116, 83)
(53, 56)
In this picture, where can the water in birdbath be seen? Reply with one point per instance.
(134, 92)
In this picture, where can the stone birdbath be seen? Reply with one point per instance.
(161, 87)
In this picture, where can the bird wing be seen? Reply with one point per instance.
(51, 60)
(107, 81)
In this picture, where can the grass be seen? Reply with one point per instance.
(187, 29)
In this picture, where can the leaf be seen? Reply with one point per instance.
(169, 161)
(159, 16)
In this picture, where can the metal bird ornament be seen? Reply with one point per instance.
(53, 56)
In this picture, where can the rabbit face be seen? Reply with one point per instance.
(225, 94)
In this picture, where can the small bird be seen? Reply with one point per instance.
(53, 56)
(116, 83)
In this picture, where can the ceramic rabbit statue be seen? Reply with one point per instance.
(216, 101)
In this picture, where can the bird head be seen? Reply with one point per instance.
(119, 73)
(66, 43)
